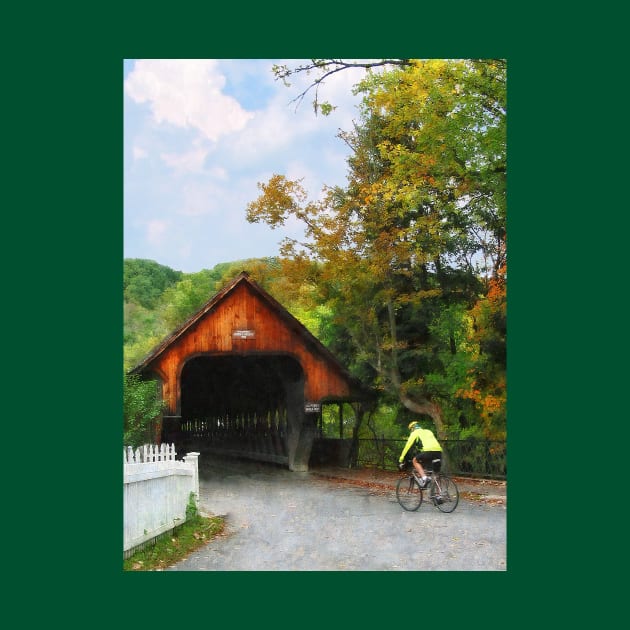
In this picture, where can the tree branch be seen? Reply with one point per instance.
(283, 72)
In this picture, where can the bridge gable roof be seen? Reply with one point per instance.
(289, 323)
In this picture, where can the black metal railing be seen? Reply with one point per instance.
(470, 457)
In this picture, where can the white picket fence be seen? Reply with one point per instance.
(156, 492)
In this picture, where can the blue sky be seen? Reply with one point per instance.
(198, 137)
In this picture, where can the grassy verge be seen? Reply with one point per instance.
(194, 533)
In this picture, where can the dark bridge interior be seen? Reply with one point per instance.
(239, 402)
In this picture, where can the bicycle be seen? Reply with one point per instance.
(442, 489)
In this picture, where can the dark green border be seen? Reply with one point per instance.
(69, 253)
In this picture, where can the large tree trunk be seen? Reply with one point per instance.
(422, 405)
(425, 407)
(354, 444)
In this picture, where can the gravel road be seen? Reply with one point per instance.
(279, 520)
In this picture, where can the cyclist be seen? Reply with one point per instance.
(425, 449)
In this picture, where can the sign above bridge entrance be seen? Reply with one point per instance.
(243, 334)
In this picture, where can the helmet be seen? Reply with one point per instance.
(413, 425)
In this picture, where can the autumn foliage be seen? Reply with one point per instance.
(410, 254)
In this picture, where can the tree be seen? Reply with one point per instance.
(421, 221)
(183, 299)
(325, 68)
(142, 405)
(144, 281)
(486, 387)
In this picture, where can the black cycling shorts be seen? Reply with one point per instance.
(426, 457)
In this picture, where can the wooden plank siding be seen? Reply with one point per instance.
(243, 319)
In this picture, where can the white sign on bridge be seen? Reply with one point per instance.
(243, 334)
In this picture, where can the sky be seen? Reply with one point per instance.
(199, 135)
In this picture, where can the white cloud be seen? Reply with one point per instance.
(190, 162)
(284, 128)
(186, 93)
(213, 139)
(198, 198)
(156, 230)
(139, 153)
(218, 172)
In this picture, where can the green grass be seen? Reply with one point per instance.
(194, 533)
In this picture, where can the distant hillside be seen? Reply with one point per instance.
(144, 281)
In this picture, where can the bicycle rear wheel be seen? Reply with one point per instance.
(409, 494)
(444, 493)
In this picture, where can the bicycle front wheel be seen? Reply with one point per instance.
(409, 494)
(444, 494)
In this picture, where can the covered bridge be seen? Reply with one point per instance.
(243, 376)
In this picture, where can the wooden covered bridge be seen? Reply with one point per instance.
(243, 376)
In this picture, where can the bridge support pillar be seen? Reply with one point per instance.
(301, 430)
(300, 443)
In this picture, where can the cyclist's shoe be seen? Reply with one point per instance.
(439, 500)
(424, 483)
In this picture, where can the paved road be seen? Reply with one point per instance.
(279, 520)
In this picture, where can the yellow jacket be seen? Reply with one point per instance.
(428, 440)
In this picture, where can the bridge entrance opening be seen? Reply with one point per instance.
(250, 405)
